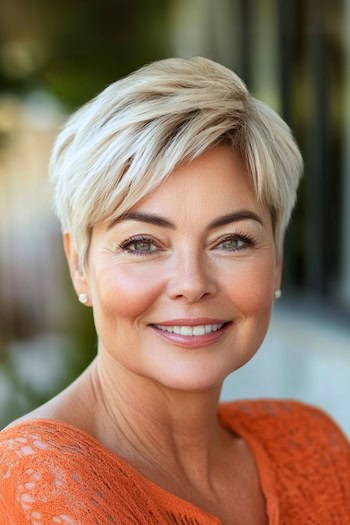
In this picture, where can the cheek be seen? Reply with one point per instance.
(251, 286)
(121, 291)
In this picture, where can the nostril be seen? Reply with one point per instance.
(192, 287)
(192, 295)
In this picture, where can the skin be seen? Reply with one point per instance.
(134, 393)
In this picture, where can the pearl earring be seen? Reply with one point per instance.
(83, 298)
(278, 293)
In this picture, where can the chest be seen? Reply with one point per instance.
(242, 500)
(238, 504)
(247, 511)
(236, 497)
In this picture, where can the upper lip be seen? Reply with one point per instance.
(191, 322)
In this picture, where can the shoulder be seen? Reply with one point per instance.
(306, 451)
(53, 473)
(36, 472)
(262, 412)
(292, 422)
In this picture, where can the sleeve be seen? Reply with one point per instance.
(53, 474)
(34, 488)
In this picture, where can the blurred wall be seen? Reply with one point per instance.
(295, 56)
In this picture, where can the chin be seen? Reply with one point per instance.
(196, 377)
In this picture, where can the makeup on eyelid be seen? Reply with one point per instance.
(246, 236)
(242, 240)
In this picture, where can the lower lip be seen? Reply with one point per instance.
(191, 341)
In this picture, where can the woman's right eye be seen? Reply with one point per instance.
(139, 246)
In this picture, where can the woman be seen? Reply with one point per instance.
(174, 188)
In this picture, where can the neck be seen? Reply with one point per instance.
(160, 431)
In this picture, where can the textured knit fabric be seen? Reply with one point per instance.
(52, 473)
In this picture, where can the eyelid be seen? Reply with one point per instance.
(238, 234)
(249, 239)
(138, 237)
(124, 245)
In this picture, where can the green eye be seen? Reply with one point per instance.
(236, 242)
(142, 246)
(232, 244)
(139, 246)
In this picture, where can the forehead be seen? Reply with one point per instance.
(214, 183)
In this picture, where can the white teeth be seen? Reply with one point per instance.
(190, 330)
(198, 330)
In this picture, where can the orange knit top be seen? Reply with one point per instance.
(53, 473)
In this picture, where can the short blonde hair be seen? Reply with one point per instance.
(118, 147)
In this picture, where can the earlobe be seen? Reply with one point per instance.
(77, 273)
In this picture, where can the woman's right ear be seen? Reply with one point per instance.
(77, 273)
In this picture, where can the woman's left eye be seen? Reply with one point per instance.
(236, 243)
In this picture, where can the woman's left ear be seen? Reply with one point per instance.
(78, 274)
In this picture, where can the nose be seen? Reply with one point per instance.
(192, 278)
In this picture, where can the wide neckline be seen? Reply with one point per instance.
(261, 460)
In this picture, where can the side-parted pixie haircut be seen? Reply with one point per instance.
(121, 145)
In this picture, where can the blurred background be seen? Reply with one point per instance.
(294, 55)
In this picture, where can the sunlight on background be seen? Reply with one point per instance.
(294, 56)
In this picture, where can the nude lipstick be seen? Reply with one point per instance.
(191, 333)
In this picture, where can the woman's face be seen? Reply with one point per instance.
(182, 286)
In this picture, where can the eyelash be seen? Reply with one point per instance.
(249, 241)
(138, 238)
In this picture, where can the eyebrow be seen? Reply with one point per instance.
(150, 218)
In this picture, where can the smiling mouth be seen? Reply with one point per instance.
(191, 333)
(184, 330)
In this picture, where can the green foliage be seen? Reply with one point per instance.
(87, 44)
